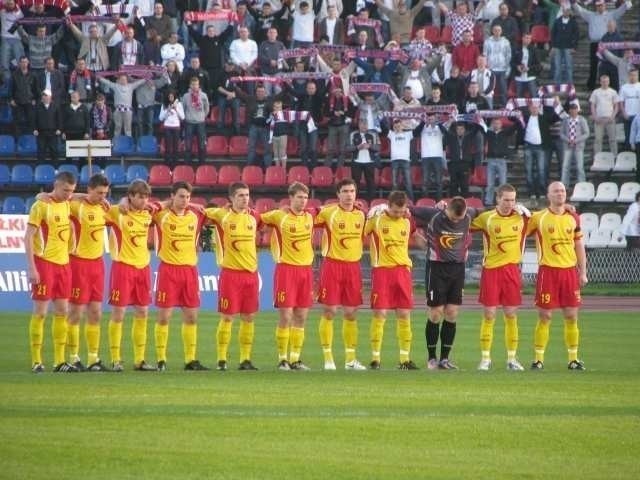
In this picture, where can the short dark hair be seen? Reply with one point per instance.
(398, 198)
(66, 177)
(344, 182)
(181, 184)
(235, 186)
(458, 206)
(98, 180)
(297, 187)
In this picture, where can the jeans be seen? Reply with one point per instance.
(403, 166)
(198, 129)
(501, 85)
(10, 49)
(144, 118)
(308, 142)
(562, 74)
(223, 104)
(496, 167)
(535, 159)
(432, 166)
(577, 154)
(530, 86)
(599, 130)
(261, 134)
(627, 131)
(369, 170)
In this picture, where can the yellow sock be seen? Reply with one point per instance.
(223, 337)
(282, 342)
(189, 341)
(115, 340)
(325, 329)
(139, 338)
(161, 333)
(297, 340)
(541, 338)
(59, 330)
(571, 338)
(92, 339)
(36, 337)
(404, 334)
(245, 336)
(486, 337)
(350, 338)
(376, 332)
(73, 342)
(511, 336)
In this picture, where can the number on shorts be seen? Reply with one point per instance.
(545, 298)
(42, 289)
(224, 303)
(323, 293)
(115, 295)
(162, 297)
(281, 296)
(374, 298)
(75, 292)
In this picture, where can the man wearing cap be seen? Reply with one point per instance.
(48, 126)
(574, 134)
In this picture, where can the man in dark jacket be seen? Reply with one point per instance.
(258, 111)
(76, 120)
(497, 139)
(564, 41)
(23, 96)
(537, 146)
(48, 127)
(195, 70)
(460, 145)
(52, 79)
(312, 101)
(526, 66)
(211, 51)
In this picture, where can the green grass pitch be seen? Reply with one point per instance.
(389, 424)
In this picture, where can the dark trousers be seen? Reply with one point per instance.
(24, 116)
(47, 145)
(308, 146)
(593, 65)
(368, 169)
(627, 132)
(638, 162)
(189, 130)
(458, 178)
(171, 139)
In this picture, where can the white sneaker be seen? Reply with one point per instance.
(515, 366)
(484, 365)
(354, 365)
(432, 364)
(329, 365)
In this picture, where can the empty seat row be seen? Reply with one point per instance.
(606, 192)
(603, 238)
(607, 162)
(590, 222)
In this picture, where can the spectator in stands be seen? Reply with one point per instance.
(243, 52)
(381, 71)
(597, 22)
(485, 79)
(93, 47)
(195, 70)
(11, 48)
(574, 133)
(526, 67)
(146, 103)
(436, 97)
(624, 65)
(340, 76)
(634, 142)
(472, 103)
(48, 127)
(407, 101)
(122, 101)
(454, 88)
(400, 149)
(631, 223)
(365, 145)
(460, 144)
(173, 75)
(265, 19)
(224, 22)
(606, 67)
(160, 22)
(40, 45)
(81, 81)
(279, 134)
(303, 23)
(498, 52)
(509, 25)
(417, 76)
(488, 11)
(243, 19)
(630, 104)
(269, 59)
(152, 47)
(564, 41)
(100, 118)
(311, 101)
(23, 94)
(332, 26)
(52, 79)
(171, 116)
(497, 139)
(339, 111)
(461, 20)
(537, 142)
(196, 109)
(370, 38)
(464, 55)
(401, 19)
(519, 9)
(226, 98)
(604, 109)
(258, 111)
(172, 50)
(75, 119)
(211, 52)
(129, 51)
(432, 138)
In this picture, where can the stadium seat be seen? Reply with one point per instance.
(314, 203)
(529, 262)
(123, 145)
(385, 147)
(479, 177)
(147, 146)
(446, 35)
(137, 172)
(588, 222)
(7, 146)
(264, 204)
(299, 173)
(293, 149)
(160, 176)
(385, 178)
(540, 34)
(275, 176)
(198, 201)
(44, 174)
(217, 146)
(5, 174)
(5, 88)
(85, 173)
(13, 206)
(6, 115)
(474, 202)
(426, 202)
(252, 175)
(69, 167)
(583, 192)
(27, 146)
(229, 174)
(116, 174)
(618, 240)
(628, 192)
(607, 192)
(432, 33)
(183, 173)
(330, 201)
(29, 203)
(599, 239)
(602, 162)
(219, 201)
(238, 146)
(625, 162)
(206, 176)
(343, 172)
(416, 175)
(321, 176)
(22, 174)
(610, 221)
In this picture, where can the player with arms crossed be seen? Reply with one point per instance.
(563, 270)
(292, 249)
(235, 229)
(340, 275)
(47, 249)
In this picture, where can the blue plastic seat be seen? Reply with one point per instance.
(137, 172)
(147, 145)
(7, 146)
(123, 145)
(116, 174)
(44, 174)
(22, 174)
(5, 88)
(13, 205)
(69, 167)
(6, 114)
(27, 146)
(29, 203)
(86, 174)
(5, 174)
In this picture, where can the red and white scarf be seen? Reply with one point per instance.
(514, 103)
(61, 4)
(219, 15)
(552, 90)
(291, 116)
(353, 22)
(369, 87)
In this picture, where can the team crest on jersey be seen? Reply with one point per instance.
(130, 223)
(307, 226)
(515, 228)
(497, 229)
(145, 224)
(192, 228)
(551, 229)
(385, 230)
(172, 227)
(357, 225)
(92, 217)
(569, 230)
(232, 226)
(341, 225)
(403, 233)
(292, 228)
(249, 227)
(57, 218)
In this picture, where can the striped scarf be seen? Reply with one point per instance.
(259, 79)
(61, 4)
(291, 116)
(369, 87)
(334, 101)
(353, 22)
(514, 103)
(551, 90)
(517, 114)
(129, 55)
(220, 15)
(73, 79)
